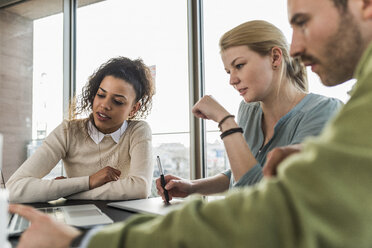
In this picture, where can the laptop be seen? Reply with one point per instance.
(154, 205)
(82, 216)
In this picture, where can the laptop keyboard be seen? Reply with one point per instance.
(56, 213)
(21, 224)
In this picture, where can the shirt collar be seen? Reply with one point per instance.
(98, 136)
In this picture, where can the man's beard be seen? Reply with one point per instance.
(341, 52)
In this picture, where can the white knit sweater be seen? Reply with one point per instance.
(82, 157)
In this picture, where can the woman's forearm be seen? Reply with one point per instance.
(240, 156)
(29, 189)
(211, 185)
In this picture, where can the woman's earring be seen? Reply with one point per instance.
(275, 67)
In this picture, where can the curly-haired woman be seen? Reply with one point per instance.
(107, 156)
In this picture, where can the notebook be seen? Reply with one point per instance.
(83, 216)
(154, 205)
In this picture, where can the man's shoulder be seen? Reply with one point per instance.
(365, 64)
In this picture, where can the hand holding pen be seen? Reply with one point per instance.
(162, 179)
(173, 186)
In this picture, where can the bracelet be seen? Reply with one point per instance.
(231, 131)
(224, 119)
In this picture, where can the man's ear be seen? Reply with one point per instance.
(367, 9)
(276, 57)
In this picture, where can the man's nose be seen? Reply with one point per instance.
(298, 45)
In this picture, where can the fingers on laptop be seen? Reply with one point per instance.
(27, 212)
(44, 230)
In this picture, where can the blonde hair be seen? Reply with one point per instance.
(261, 37)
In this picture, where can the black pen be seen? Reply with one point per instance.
(162, 180)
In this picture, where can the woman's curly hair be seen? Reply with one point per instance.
(135, 72)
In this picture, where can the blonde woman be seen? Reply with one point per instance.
(276, 109)
(107, 156)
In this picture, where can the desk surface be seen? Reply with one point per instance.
(115, 214)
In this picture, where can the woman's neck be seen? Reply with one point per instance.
(282, 102)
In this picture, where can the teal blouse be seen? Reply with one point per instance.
(306, 119)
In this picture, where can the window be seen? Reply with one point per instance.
(143, 29)
(216, 79)
(31, 75)
(47, 113)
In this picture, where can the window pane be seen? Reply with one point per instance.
(173, 150)
(143, 29)
(217, 81)
(31, 77)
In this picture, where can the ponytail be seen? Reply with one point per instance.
(297, 72)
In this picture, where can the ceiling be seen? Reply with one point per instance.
(35, 9)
